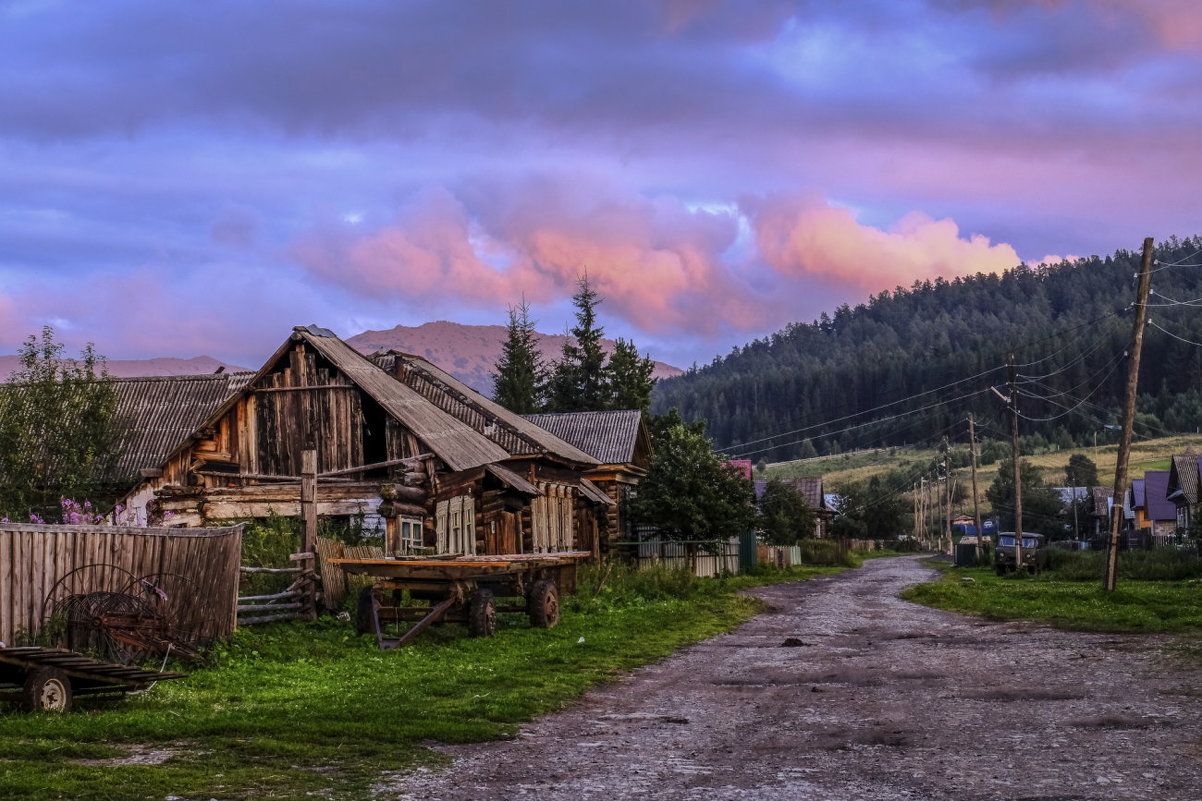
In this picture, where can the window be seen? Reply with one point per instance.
(405, 536)
(455, 524)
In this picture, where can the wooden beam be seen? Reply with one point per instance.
(309, 514)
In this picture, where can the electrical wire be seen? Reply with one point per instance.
(1174, 336)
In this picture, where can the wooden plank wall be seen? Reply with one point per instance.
(198, 566)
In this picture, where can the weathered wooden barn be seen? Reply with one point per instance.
(621, 443)
(393, 435)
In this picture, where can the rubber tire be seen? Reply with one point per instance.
(365, 610)
(999, 569)
(482, 614)
(542, 604)
(47, 689)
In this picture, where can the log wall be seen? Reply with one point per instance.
(33, 558)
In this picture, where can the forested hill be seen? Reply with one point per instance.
(813, 387)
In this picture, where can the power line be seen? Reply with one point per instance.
(1174, 336)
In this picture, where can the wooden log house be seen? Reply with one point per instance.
(621, 442)
(451, 471)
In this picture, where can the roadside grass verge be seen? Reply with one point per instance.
(314, 710)
(1135, 606)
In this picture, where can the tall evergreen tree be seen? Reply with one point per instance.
(630, 380)
(1081, 471)
(579, 381)
(519, 382)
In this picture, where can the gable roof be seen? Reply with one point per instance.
(1137, 494)
(160, 412)
(1156, 490)
(512, 434)
(449, 438)
(610, 437)
(1183, 479)
(809, 487)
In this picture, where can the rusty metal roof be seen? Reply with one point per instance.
(160, 412)
(517, 435)
(610, 436)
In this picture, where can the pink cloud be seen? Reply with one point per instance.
(658, 264)
(1174, 23)
(805, 236)
(428, 252)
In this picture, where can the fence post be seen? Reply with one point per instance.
(308, 503)
(747, 545)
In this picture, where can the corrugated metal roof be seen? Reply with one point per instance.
(609, 437)
(447, 437)
(1184, 477)
(809, 487)
(518, 436)
(1156, 486)
(163, 411)
(1138, 496)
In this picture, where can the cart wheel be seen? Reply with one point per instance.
(47, 689)
(367, 611)
(543, 604)
(482, 614)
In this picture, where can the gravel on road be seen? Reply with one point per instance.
(843, 691)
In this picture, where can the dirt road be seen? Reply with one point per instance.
(843, 691)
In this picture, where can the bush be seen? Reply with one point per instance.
(1162, 564)
(613, 584)
(826, 553)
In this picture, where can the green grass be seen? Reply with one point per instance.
(302, 711)
(1135, 606)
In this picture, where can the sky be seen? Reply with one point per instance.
(184, 179)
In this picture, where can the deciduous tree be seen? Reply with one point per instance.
(691, 492)
(59, 432)
(785, 517)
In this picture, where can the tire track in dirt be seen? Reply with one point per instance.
(844, 691)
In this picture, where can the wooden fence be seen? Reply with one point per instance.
(702, 558)
(200, 565)
(333, 578)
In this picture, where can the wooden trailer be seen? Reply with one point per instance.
(47, 679)
(461, 589)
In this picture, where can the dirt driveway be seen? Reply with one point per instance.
(843, 691)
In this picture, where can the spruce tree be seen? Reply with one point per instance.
(518, 384)
(579, 381)
(630, 380)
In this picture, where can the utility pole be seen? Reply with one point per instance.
(922, 509)
(1018, 484)
(976, 508)
(948, 488)
(1120, 469)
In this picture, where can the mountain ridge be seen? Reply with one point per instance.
(468, 352)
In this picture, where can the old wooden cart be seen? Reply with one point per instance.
(47, 679)
(461, 589)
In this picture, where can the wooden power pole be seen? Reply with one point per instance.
(1014, 456)
(1120, 469)
(976, 508)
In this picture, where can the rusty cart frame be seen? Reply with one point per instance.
(47, 679)
(463, 589)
